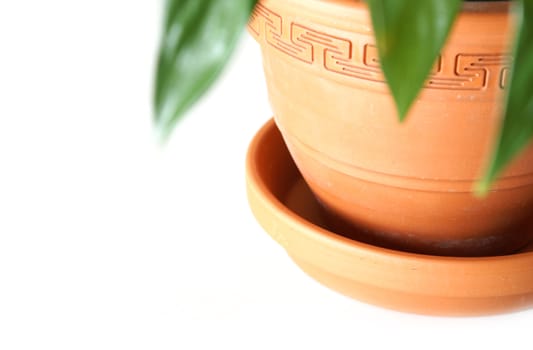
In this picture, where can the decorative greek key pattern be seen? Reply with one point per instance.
(473, 72)
(360, 59)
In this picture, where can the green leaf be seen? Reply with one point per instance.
(517, 127)
(197, 40)
(409, 36)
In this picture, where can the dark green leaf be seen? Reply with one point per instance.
(409, 36)
(517, 127)
(197, 41)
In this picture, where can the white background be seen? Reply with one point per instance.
(109, 241)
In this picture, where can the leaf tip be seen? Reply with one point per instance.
(402, 109)
(482, 188)
(162, 132)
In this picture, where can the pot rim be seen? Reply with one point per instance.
(350, 15)
(468, 6)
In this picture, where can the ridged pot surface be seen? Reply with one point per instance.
(406, 186)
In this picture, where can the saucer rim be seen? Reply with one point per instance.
(473, 270)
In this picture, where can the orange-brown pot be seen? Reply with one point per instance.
(405, 186)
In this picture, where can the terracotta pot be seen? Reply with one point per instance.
(406, 186)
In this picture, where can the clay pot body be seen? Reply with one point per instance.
(399, 185)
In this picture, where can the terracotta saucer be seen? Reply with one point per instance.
(286, 209)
